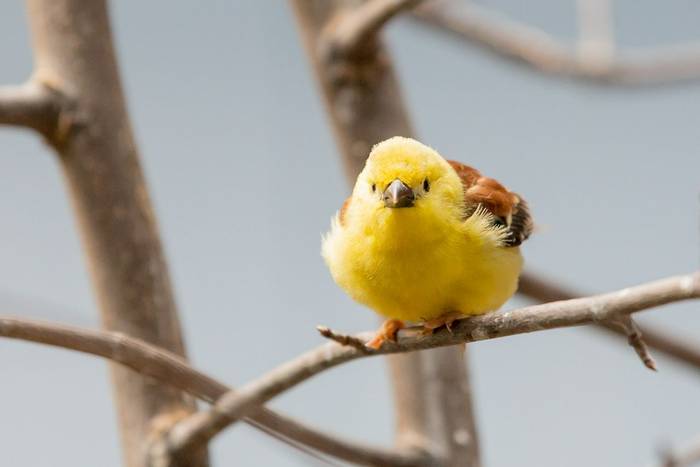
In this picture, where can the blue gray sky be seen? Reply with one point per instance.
(224, 106)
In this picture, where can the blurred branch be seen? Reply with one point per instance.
(536, 48)
(545, 290)
(687, 456)
(361, 92)
(355, 28)
(171, 369)
(596, 44)
(198, 429)
(74, 56)
(30, 105)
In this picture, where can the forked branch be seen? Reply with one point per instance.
(616, 307)
(538, 49)
(172, 370)
(544, 290)
(352, 29)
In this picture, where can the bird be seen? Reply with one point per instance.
(425, 240)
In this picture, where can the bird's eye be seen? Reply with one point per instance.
(374, 187)
(426, 185)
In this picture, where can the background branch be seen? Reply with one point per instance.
(616, 307)
(97, 152)
(687, 456)
(30, 105)
(171, 369)
(596, 43)
(544, 290)
(355, 28)
(361, 92)
(535, 48)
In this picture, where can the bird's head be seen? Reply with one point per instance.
(402, 173)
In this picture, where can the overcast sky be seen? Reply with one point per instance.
(224, 107)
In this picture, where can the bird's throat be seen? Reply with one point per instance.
(407, 229)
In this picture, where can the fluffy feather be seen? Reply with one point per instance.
(445, 254)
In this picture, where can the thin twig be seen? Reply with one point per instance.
(353, 28)
(170, 369)
(30, 105)
(635, 339)
(545, 290)
(536, 48)
(199, 428)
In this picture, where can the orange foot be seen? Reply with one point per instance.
(385, 333)
(445, 320)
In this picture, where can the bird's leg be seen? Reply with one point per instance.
(387, 332)
(444, 320)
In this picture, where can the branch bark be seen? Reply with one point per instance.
(537, 49)
(169, 368)
(544, 290)
(363, 100)
(31, 105)
(617, 306)
(74, 55)
(357, 28)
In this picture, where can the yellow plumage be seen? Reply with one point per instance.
(419, 263)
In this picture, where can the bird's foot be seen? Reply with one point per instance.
(387, 332)
(444, 320)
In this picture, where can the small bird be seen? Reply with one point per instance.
(426, 240)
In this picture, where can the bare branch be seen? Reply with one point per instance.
(30, 105)
(596, 44)
(74, 54)
(536, 48)
(354, 28)
(635, 339)
(575, 312)
(544, 290)
(196, 430)
(171, 369)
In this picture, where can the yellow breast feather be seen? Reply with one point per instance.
(411, 244)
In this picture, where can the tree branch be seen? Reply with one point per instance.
(536, 48)
(361, 92)
(596, 45)
(74, 54)
(31, 105)
(635, 339)
(196, 430)
(355, 28)
(168, 368)
(544, 290)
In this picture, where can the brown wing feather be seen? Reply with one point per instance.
(509, 209)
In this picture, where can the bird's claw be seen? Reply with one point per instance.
(445, 320)
(387, 332)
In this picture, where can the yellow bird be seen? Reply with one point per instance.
(426, 240)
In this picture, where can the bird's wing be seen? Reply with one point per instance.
(508, 208)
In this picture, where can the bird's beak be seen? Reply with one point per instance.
(398, 195)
